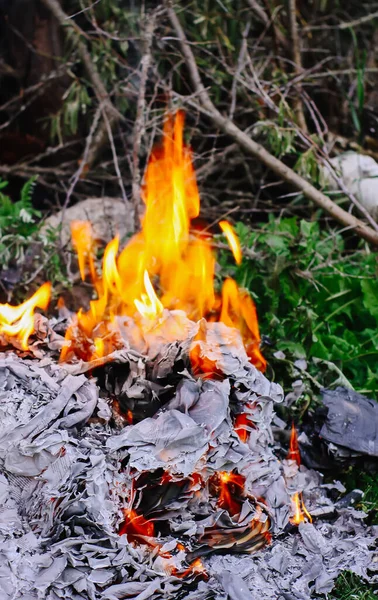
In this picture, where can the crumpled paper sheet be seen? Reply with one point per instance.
(352, 421)
(66, 474)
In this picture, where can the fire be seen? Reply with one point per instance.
(239, 311)
(167, 266)
(242, 423)
(294, 452)
(232, 239)
(136, 526)
(82, 241)
(18, 321)
(300, 512)
(231, 492)
(150, 306)
(179, 262)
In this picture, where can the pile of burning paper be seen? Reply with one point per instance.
(141, 463)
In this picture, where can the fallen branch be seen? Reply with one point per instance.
(244, 141)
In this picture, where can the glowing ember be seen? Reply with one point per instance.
(196, 567)
(243, 423)
(136, 527)
(294, 453)
(232, 239)
(300, 512)
(231, 492)
(18, 321)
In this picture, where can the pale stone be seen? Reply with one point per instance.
(109, 217)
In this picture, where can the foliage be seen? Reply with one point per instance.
(351, 587)
(17, 221)
(24, 248)
(355, 479)
(316, 300)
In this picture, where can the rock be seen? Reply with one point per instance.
(360, 176)
(108, 216)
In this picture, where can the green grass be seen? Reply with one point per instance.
(31, 254)
(355, 479)
(316, 300)
(351, 587)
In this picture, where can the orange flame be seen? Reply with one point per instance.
(242, 423)
(232, 239)
(82, 241)
(294, 452)
(136, 526)
(239, 311)
(231, 492)
(300, 512)
(18, 321)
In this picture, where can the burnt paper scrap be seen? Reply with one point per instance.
(352, 421)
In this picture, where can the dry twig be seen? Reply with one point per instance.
(264, 18)
(244, 141)
(298, 106)
(139, 119)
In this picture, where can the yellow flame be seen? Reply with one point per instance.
(233, 240)
(150, 306)
(99, 345)
(300, 512)
(180, 261)
(82, 241)
(18, 321)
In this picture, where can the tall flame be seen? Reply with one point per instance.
(164, 266)
(18, 321)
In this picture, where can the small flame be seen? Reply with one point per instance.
(150, 306)
(233, 240)
(239, 311)
(99, 345)
(243, 423)
(82, 241)
(18, 321)
(300, 512)
(196, 567)
(294, 452)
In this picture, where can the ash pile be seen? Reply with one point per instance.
(188, 501)
(137, 454)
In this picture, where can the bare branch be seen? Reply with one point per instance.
(268, 22)
(139, 119)
(298, 106)
(258, 151)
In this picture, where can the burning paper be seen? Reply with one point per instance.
(147, 452)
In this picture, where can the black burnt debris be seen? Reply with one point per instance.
(127, 477)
